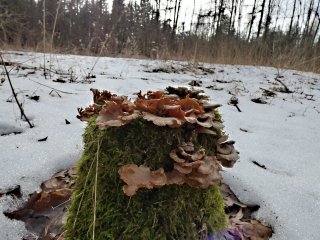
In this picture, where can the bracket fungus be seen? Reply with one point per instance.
(150, 167)
(141, 177)
(156, 107)
(226, 153)
(197, 170)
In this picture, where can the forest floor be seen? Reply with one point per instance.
(275, 124)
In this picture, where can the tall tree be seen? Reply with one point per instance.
(307, 24)
(253, 16)
(221, 10)
(268, 19)
(118, 21)
(316, 16)
(233, 12)
(261, 17)
(177, 7)
(292, 17)
(240, 16)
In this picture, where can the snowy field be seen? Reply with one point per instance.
(279, 141)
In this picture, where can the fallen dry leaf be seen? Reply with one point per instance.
(49, 225)
(254, 230)
(44, 212)
(14, 191)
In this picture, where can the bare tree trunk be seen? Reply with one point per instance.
(316, 31)
(240, 16)
(261, 18)
(316, 15)
(220, 13)
(299, 13)
(166, 10)
(292, 17)
(253, 16)
(174, 17)
(284, 17)
(277, 16)
(177, 7)
(309, 17)
(234, 15)
(214, 23)
(158, 3)
(193, 10)
(231, 16)
(268, 19)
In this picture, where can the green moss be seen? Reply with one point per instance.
(170, 212)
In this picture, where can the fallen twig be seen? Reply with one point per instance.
(286, 89)
(259, 100)
(52, 91)
(268, 93)
(15, 95)
(56, 90)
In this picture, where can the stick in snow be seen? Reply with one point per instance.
(15, 95)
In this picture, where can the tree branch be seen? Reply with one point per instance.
(14, 93)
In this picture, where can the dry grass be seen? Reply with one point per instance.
(221, 51)
(230, 51)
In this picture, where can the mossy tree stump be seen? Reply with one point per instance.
(100, 209)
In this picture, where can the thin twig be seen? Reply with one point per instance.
(287, 90)
(57, 90)
(15, 95)
(18, 64)
(104, 46)
(95, 191)
(82, 195)
(53, 31)
(44, 38)
(59, 205)
(60, 237)
(97, 59)
(51, 70)
(239, 110)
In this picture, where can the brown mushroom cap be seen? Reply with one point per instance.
(200, 170)
(198, 180)
(113, 115)
(161, 109)
(87, 113)
(226, 153)
(175, 177)
(193, 168)
(162, 121)
(141, 177)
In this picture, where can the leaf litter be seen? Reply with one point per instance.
(44, 213)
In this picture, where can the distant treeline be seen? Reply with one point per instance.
(221, 32)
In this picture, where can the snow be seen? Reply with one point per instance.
(282, 135)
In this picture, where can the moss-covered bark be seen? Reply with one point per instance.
(170, 212)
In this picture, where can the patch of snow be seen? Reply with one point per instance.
(7, 128)
(283, 135)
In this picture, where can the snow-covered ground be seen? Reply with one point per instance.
(282, 136)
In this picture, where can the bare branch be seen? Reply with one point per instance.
(14, 93)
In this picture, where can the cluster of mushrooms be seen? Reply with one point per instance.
(190, 166)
